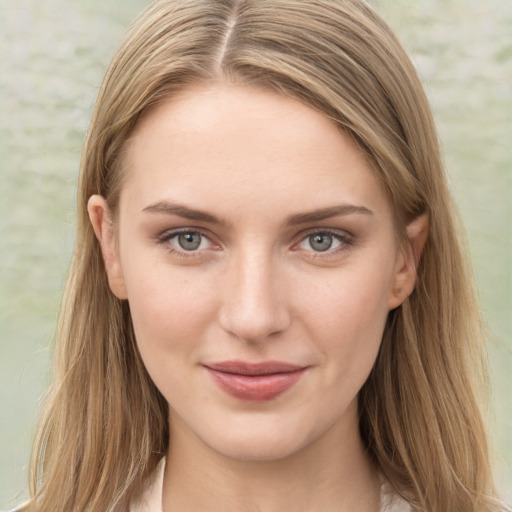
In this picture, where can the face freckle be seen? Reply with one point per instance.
(257, 252)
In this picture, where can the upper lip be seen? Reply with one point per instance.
(246, 368)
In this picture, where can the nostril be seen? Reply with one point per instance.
(254, 322)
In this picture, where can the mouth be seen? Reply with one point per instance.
(255, 382)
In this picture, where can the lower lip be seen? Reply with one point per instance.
(255, 388)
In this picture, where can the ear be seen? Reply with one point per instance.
(101, 220)
(408, 260)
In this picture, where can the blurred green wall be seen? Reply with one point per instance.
(52, 56)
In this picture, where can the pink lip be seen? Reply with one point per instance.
(256, 382)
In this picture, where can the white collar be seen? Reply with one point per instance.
(151, 498)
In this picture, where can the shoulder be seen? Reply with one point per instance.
(391, 501)
(24, 507)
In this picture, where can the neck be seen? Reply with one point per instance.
(332, 473)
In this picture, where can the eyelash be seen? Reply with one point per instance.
(165, 240)
(346, 241)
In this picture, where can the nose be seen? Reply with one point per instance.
(254, 306)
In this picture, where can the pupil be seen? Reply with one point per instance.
(320, 242)
(189, 241)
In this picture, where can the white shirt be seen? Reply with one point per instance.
(151, 499)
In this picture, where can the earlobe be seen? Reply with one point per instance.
(408, 261)
(101, 220)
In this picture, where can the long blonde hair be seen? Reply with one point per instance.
(105, 425)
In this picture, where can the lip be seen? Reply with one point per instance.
(256, 382)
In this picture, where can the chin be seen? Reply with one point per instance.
(258, 450)
(260, 440)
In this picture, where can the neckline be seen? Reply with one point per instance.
(151, 498)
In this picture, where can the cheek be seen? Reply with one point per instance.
(169, 319)
(169, 306)
(346, 317)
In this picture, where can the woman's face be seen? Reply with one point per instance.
(257, 251)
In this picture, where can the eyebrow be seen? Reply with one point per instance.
(171, 208)
(326, 213)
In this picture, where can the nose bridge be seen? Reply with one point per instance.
(253, 309)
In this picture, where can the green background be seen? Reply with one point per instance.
(52, 57)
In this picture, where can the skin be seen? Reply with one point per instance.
(256, 289)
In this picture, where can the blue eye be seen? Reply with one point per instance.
(189, 241)
(322, 242)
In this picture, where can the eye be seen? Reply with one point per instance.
(323, 241)
(190, 241)
(186, 241)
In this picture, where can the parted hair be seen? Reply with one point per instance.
(104, 426)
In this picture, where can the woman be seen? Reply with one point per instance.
(269, 308)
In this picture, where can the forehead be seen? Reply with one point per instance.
(230, 144)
